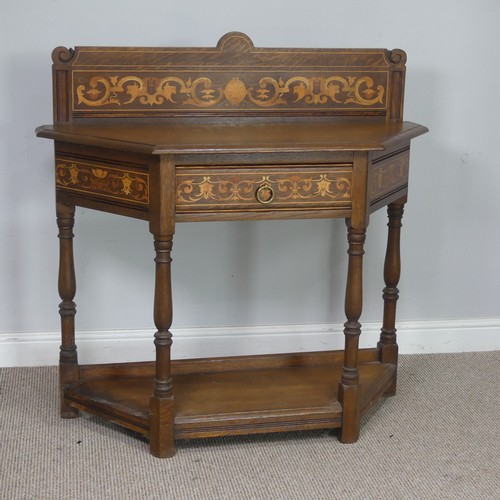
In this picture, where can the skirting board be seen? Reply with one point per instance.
(41, 349)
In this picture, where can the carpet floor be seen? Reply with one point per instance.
(439, 438)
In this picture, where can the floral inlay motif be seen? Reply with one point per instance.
(389, 175)
(102, 180)
(311, 188)
(202, 92)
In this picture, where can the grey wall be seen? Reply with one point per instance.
(270, 272)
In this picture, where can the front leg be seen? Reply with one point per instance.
(161, 437)
(349, 382)
(68, 360)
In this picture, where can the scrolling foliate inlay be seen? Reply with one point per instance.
(389, 175)
(172, 92)
(103, 181)
(293, 188)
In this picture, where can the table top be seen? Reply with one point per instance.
(238, 135)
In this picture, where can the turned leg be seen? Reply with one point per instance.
(68, 361)
(349, 382)
(387, 345)
(161, 442)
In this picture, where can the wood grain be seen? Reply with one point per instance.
(233, 78)
(237, 395)
(231, 132)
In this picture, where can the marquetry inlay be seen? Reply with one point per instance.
(297, 188)
(104, 181)
(232, 133)
(389, 174)
(259, 90)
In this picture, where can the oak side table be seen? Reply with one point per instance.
(234, 132)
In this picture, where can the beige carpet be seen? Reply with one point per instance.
(439, 438)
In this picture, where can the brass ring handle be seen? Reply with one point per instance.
(265, 194)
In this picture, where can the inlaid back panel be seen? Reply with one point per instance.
(234, 78)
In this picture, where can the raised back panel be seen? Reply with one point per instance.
(234, 78)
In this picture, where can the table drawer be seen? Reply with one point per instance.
(260, 188)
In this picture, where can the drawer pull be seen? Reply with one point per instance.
(265, 194)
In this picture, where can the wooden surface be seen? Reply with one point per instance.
(232, 396)
(234, 78)
(239, 136)
(234, 132)
(221, 168)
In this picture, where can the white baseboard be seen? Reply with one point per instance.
(41, 349)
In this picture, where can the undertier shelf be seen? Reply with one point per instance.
(232, 395)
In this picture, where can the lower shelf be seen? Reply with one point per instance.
(234, 395)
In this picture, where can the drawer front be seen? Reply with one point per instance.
(260, 188)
